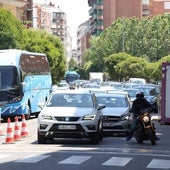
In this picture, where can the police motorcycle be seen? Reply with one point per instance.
(145, 129)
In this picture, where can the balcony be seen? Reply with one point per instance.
(100, 27)
(100, 7)
(100, 17)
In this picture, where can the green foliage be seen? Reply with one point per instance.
(72, 65)
(40, 41)
(10, 30)
(13, 35)
(143, 38)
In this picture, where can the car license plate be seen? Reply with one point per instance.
(69, 127)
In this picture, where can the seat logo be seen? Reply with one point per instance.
(67, 119)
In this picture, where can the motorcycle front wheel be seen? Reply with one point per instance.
(151, 134)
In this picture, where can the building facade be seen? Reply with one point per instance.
(159, 7)
(104, 12)
(83, 34)
(21, 9)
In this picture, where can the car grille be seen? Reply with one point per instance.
(111, 118)
(67, 119)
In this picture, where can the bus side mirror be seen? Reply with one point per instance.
(23, 84)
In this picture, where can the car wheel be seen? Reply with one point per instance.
(98, 136)
(41, 139)
(100, 129)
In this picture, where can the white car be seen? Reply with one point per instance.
(117, 118)
(70, 114)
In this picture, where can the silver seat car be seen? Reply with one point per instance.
(70, 114)
(117, 118)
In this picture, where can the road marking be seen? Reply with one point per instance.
(32, 158)
(75, 160)
(4, 156)
(159, 164)
(117, 161)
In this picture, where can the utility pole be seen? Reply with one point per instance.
(123, 37)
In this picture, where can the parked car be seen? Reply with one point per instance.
(151, 95)
(70, 114)
(117, 118)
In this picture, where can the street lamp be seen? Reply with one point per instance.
(123, 36)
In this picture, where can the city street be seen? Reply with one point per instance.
(111, 153)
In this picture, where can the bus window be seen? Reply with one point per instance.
(71, 76)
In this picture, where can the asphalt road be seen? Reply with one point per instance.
(112, 153)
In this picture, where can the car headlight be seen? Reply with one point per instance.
(125, 117)
(45, 116)
(146, 119)
(89, 117)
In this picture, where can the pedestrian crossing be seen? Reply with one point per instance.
(112, 161)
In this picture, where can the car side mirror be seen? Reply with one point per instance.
(41, 105)
(101, 106)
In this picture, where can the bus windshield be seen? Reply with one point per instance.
(71, 76)
(8, 77)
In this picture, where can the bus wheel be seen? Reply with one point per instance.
(27, 116)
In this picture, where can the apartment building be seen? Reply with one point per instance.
(22, 9)
(159, 7)
(104, 12)
(83, 34)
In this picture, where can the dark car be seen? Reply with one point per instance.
(116, 115)
(151, 95)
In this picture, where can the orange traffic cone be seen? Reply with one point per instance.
(10, 135)
(17, 132)
(24, 132)
(1, 131)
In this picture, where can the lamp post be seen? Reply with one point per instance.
(156, 44)
(123, 36)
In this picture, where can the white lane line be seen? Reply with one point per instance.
(75, 160)
(159, 164)
(32, 158)
(117, 161)
(4, 156)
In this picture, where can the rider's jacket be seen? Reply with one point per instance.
(139, 105)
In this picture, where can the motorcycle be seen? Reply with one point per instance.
(145, 129)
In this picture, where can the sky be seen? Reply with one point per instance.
(76, 12)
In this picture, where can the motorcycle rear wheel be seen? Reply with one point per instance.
(151, 134)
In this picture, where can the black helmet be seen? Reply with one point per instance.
(140, 95)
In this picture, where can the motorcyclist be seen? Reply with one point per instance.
(139, 105)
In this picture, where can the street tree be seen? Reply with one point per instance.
(10, 30)
(41, 41)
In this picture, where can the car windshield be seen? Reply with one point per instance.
(70, 100)
(149, 92)
(131, 93)
(113, 101)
